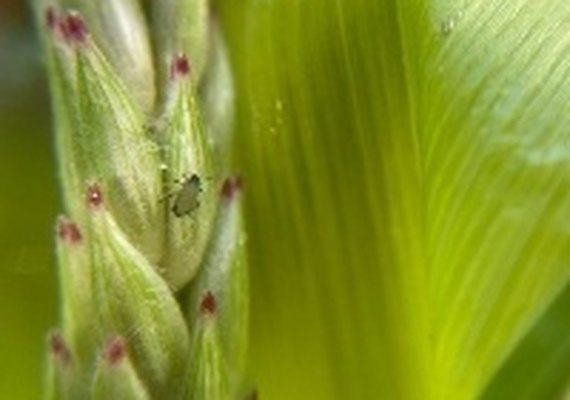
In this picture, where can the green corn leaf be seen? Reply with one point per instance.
(409, 208)
(538, 367)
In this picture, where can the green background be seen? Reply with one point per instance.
(28, 208)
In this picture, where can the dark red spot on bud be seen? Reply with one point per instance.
(116, 350)
(73, 28)
(68, 232)
(58, 348)
(94, 196)
(180, 66)
(76, 27)
(51, 17)
(208, 304)
(231, 187)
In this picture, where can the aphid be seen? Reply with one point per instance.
(187, 198)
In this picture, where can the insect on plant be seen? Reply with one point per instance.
(186, 199)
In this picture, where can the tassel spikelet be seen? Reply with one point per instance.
(153, 276)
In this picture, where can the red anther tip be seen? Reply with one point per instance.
(51, 17)
(58, 347)
(72, 27)
(76, 27)
(231, 187)
(208, 304)
(116, 350)
(94, 196)
(68, 232)
(180, 66)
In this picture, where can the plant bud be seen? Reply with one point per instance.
(192, 206)
(75, 278)
(224, 276)
(119, 29)
(115, 376)
(180, 27)
(208, 378)
(108, 141)
(134, 301)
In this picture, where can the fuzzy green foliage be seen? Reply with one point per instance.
(410, 160)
